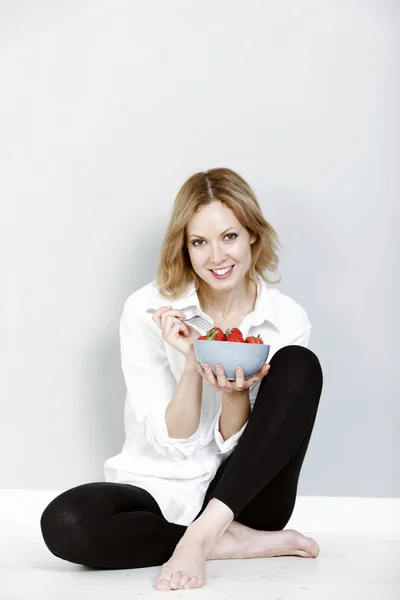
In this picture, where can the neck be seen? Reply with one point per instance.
(230, 302)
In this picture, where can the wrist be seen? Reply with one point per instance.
(236, 395)
(191, 362)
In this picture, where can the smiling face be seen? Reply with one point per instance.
(215, 240)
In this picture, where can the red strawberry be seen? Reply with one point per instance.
(234, 335)
(215, 334)
(254, 340)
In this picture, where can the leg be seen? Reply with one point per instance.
(277, 434)
(272, 506)
(109, 526)
(276, 437)
(257, 530)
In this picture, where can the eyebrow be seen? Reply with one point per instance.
(200, 236)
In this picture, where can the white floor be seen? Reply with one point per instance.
(351, 566)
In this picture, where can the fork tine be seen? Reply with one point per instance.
(206, 323)
(201, 322)
(195, 321)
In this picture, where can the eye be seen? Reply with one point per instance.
(194, 242)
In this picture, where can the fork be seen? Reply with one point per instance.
(197, 321)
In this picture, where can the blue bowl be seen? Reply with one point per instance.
(251, 357)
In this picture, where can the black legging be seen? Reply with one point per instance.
(121, 526)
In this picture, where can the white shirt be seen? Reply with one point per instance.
(177, 472)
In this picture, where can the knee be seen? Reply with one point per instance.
(299, 369)
(62, 528)
(298, 356)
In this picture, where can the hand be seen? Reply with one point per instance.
(221, 384)
(178, 334)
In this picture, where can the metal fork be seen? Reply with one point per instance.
(197, 321)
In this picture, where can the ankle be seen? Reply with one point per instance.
(195, 534)
(201, 534)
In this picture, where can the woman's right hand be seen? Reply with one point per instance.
(178, 334)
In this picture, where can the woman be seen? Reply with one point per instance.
(210, 467)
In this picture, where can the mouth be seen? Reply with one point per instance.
(223, 275)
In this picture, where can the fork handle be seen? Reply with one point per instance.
(152, 311)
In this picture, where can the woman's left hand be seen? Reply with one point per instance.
(221, 384)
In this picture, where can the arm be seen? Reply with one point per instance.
(152, 388)
(235, 413)
(231, 420)
(183, 412)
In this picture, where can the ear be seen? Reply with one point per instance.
(252, 239)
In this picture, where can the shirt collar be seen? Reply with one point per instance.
(263, 310)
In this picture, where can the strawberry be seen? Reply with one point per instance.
(254, 340)
(215, 334)
(234, 335)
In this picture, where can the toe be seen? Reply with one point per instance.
(312, 547)
(163, 581)
(184, 581)
(176, 579)
(162, 585)
(192, 583)
(315, 551)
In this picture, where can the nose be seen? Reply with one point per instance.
(217, 255)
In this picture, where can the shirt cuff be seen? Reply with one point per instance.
(226, 446)
(175, 448)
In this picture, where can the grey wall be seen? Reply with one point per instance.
(106, 108)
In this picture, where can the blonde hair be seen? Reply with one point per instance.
(175, 272)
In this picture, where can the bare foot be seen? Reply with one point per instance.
(240, 541)
(186, 567)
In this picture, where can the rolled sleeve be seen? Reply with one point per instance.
(150, 385)
(226, 446)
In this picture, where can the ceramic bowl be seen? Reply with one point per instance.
(251, 357)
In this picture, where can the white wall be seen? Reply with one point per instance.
(106, 108)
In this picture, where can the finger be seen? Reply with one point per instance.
(172, 326)
(259, 375)
(239, 378)
(264, 370)
(221, 376)
(209, 375)
(170, 317)
(171, 312)
(157, 315)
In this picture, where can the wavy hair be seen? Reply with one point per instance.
(175, 272)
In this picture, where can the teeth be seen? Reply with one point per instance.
(221, 271)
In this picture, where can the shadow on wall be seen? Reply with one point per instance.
(324, 267)
(106, 396)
